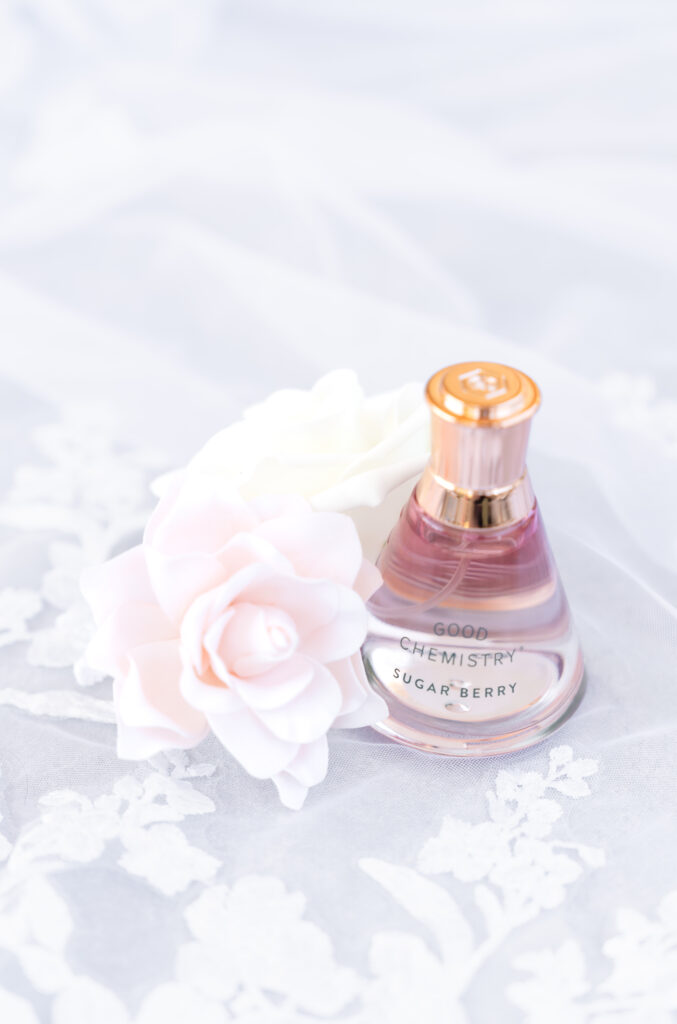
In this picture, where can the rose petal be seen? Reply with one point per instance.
(119, 581)
(343, 635)
(182, 581)
(197, 514)
(178, 580)
(308, 716)
(139, 744)
(349, 674)
(208, 693)
(208, 607)
(246, 548)
(310, 603)
(149, 695)
(319, 545)
(307, 769)
(272, 506)
(252, 744)
(278, 686)
(373, 711)
(360, 706)
(368, 580)
(310, 764)
(292, 793)
(204, 655)
(178, 577)
(331, 619)
(126, 628)
(249, 639)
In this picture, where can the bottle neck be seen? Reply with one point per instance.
(477, 476)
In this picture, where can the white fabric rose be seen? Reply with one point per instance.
(341, 450)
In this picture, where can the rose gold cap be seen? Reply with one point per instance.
(483, 394)
(481, 415)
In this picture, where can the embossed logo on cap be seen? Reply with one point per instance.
(481, 381)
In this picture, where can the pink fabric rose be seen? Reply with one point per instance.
(243, 617)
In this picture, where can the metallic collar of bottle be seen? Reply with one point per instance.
(477, 510)
(481, 415)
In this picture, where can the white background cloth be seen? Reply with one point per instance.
(202, 202)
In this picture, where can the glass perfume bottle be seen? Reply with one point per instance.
(470, 640)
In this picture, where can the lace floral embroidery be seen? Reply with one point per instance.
(516, 867)
(91, 498)
(72, 829)
(252, 949)
(252, 956)
(641, 986)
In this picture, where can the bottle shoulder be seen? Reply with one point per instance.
(423, 556)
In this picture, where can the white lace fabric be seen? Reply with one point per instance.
(203, 204)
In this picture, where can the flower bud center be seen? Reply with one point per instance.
(279, 637)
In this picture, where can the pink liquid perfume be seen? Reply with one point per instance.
(470, 641)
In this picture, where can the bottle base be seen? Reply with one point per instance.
(466, 739)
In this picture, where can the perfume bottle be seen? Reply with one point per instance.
(470, 639)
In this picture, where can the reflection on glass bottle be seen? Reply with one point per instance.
(470, 640)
